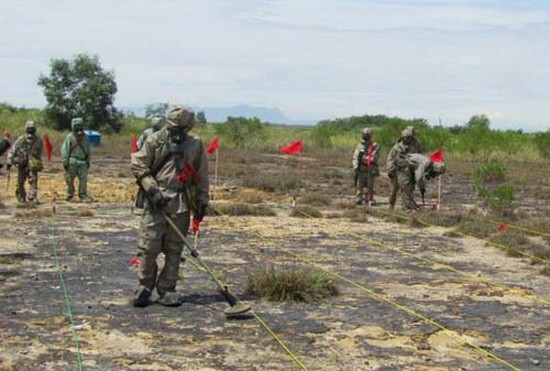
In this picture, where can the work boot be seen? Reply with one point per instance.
(142, 297)
(170, 299)
(69, 198)
(86, 199)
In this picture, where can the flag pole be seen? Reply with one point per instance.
(439, 193)
(215, 173)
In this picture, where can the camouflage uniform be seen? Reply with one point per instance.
(406, 144)
(365, 167)
(181, 184)
(26, 154)
(76, 160)
(156, 125)
(415, 170)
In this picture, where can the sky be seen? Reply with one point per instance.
(443, 60)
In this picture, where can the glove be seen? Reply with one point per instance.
(158, 200)
(8, 166)
(195, 226)
(201, 212)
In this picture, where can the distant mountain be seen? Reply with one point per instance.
(220, 114)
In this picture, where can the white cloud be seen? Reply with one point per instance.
(311, 59)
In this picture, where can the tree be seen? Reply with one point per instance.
(201, 118)
(480, 122)
(157, 110)
(80, 88)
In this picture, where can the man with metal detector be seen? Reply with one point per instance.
(415, 170)
(171, 170)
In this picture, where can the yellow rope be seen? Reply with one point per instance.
(404, 217)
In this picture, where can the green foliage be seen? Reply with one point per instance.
(290, 284)
(201, 118)
(239, 130)
(490, 171)
(80, 88)
(542, 141)
(156, 110)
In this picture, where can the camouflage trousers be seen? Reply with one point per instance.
(394, 189)
(79, 171)
(157, 236)
(407, 183)
(365, 184)
(24, 174)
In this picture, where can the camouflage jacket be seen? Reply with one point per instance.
(422, 166)
(366, 154)
(144, 136)
(397, 154)
(24, 152)
(4, 145)
(76, 150)
(182, 177)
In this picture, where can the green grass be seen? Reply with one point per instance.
(240, 210)
(305, 212)
(290, 284)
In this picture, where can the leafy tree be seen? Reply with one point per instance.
(479, 122)
(201, 118)
(156, 110)
(80, 88)
(241, 129)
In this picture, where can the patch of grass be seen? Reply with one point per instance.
(240, 210)
(305, 212)
(452, 234)
(490, 171)
(316, 199)
(270, 183)
(85, 213)
(477, 228)
(33, 213)
(517, 242)
(290, 284)
(253, 199)
(545, 271)
(6, 260)
(444, 219)
(415, 223)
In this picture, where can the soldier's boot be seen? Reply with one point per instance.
(86, 198)
(372, 201)
(392, 206)
(69, 198)
(142, 297)
(169, 299)
(359, 199)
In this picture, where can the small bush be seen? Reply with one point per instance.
(240, 210)
(316, 199)
(489, 172)
(280, 183)
(305, 212)
(290, 284)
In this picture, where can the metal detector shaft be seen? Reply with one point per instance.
(231, 299)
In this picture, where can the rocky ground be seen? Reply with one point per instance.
(413, 299)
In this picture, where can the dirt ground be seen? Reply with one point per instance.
(410, 298)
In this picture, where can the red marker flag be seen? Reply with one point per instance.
(437, 156)
(213, 146)
(48, 146)
(294, 148)
(134, 144)
(502, 227)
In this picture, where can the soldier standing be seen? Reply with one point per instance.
(171, 169)
(365, 167)
(76, 160)
(5, 143)
(156, 125)
(26, 154)
(416, 170)
(407, 143)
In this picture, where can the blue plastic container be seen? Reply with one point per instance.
(94, 137)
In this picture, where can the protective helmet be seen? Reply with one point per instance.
(366, 134)
(77, 121)
(408, 132)
(439, 168)
(156, 123)
(30, 125)
(180, 116)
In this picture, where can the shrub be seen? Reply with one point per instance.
(306, 212)
(240, 210)
(290, 284)
(491, 171)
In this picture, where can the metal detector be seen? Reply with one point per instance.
(236, 308)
